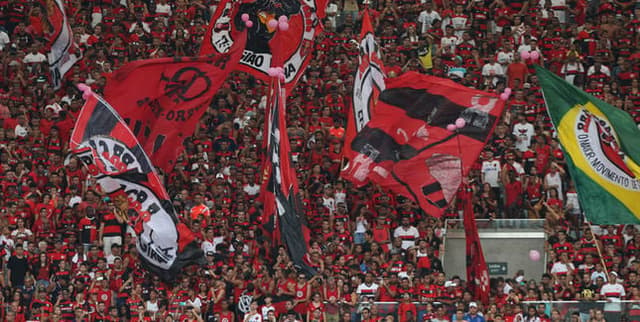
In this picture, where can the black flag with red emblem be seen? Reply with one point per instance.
(163, 99)
(106, 146)
(283, 215)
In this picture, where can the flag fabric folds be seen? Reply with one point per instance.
(368, 83)
(163, 99)
(293, 46)
(107, 147)
(406, 146)
(477, 271)
(64, 51)
(281, 196)
(602, 148)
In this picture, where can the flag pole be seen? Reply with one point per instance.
(604, 266)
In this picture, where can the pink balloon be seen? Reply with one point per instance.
(280, 70)
(273, 72)
(460, 123)
(86, 90)
(525, 55)
(504, 96)
(282, 19)
(507, 90)
(281, 76)
(451, 127)
(273, 24)
(248, 23)
(534, 55)
(284, 26)
(245, 17)
(534, 255)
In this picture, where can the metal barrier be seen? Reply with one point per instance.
(629, 310)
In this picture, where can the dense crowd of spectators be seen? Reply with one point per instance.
(66, 257)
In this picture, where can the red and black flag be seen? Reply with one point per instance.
(283, 214)
(368, 83)
(477, 271)
(163, 99)
(64, 51)
(293, 46)
(106, 146)
(406, 146)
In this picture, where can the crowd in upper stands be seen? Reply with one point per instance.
(66, 256)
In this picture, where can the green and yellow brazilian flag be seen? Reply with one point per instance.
(602, 147)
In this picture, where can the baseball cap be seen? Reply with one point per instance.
(473, 304)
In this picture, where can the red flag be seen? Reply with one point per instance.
(264, 42)
(108, 148)
(282, 211)
(406, 146)
(163, 99)
(368, 83)
(477, 272)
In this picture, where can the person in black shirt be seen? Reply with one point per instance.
(17, 267)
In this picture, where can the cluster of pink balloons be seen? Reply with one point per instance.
(276, 72)
(505, 95)
(534, 55)
(245, 19)
(460, 123)
(282, 23)
(86, 90)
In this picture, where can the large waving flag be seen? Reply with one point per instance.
(64, 51)
(163, 99)
(368, 83)
(281, 196)
(107, 147)
(602, 144)
(265, 41)
(406, 146)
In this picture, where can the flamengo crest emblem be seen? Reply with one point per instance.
(599, 145)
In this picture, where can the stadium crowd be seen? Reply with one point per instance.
(67, 257)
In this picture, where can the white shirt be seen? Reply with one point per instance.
(561, 268)
(251, 189)
(367, 290)
(491, 172)
(408, 236)
(331, 11)
(448, 44)
(555, 180)
(34, 58)
(523, 133)
(210, 245)
(613, 293)
(504, 58)
(570, 70)
(330, 203)
(604, 69)
(265, 310)
(152, 307)
(573, 203)
(197, 304)
(164, 9)
(426, 19)
(4, 40)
